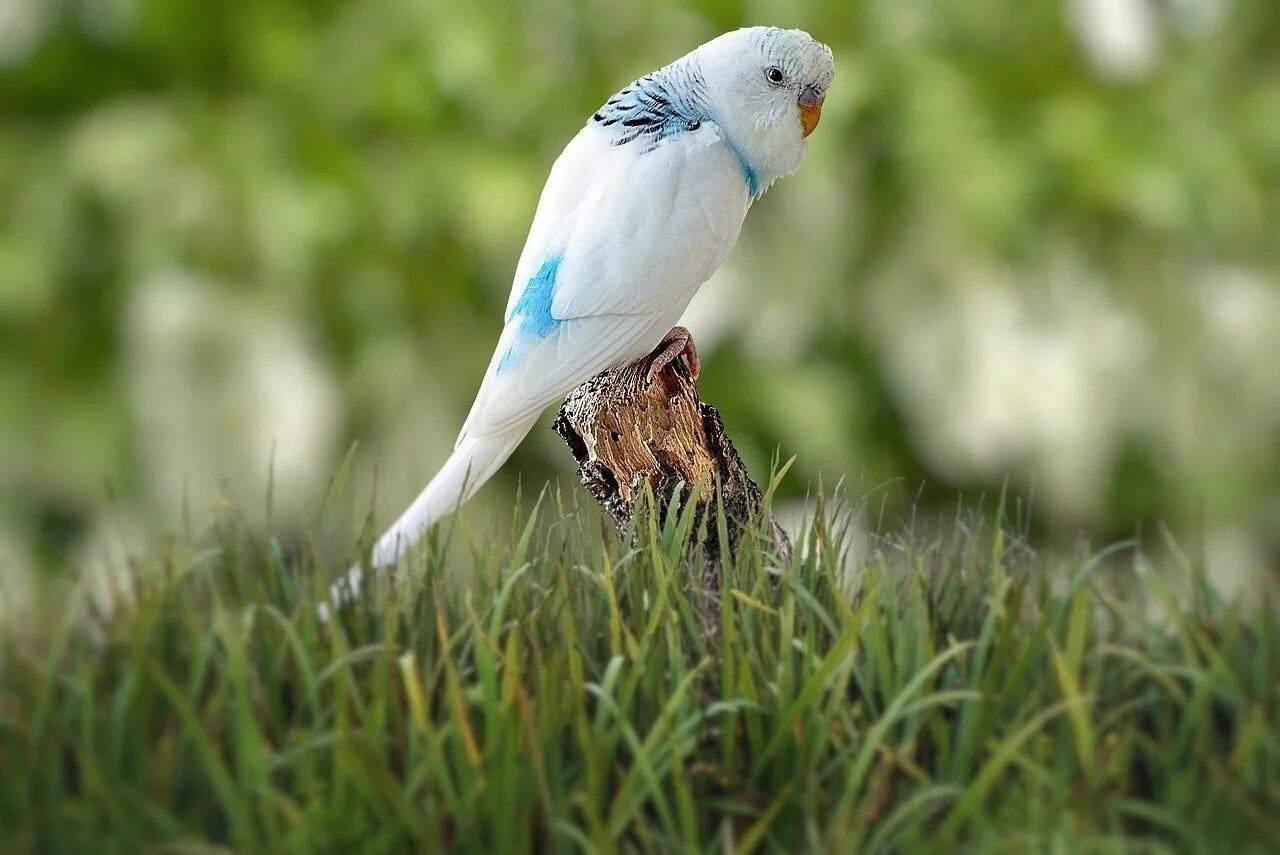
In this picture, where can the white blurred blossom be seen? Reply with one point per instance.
(105, 555)
(1120, 37)
(23, 25)
(226, 392)
(1241, 310)
(1238, 563)
(993, 383)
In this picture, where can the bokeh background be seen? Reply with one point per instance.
(1035, 243)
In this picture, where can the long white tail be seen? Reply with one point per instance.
(473, 462)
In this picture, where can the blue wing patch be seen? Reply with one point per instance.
(533, 310)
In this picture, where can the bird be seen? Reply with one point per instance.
(641, 207)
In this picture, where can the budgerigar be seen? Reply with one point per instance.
(639, 210)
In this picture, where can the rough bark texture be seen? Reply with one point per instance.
(625, 432)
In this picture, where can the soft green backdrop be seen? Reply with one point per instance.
(1036, 240)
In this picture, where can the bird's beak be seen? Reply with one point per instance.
(810, 108)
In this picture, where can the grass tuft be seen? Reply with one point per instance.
(567, 690)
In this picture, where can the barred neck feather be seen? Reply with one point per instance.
(665, 103)
(659, 105)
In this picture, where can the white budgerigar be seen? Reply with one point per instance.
(639, 210)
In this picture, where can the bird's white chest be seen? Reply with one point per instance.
(692, 202)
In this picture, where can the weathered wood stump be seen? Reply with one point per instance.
(626, 431)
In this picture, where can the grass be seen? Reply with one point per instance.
(564, 690)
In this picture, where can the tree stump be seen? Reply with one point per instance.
(626, 432)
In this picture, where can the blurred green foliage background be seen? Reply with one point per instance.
(1033, 240)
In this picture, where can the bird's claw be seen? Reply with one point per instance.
(675, 344)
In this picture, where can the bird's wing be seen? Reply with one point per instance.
(621, 240)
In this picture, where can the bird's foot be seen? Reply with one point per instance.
(675, 344)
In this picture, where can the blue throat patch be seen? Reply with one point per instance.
(533, 310)
(749, 174)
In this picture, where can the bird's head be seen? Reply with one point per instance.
(766, 86)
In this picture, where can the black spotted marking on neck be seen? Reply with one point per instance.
(656, 107)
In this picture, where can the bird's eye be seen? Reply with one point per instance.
(774, 74)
